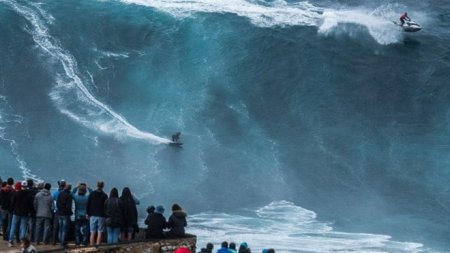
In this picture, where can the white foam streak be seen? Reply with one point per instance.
(85, 109)
(7, 120)
(289, 228)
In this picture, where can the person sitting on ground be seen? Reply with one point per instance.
(176, 137)
(27, 247)
(177, 222)
(232, 247)
(243, 248)
(404, 17)
(150, 210)
(156, 223)
(208, 249)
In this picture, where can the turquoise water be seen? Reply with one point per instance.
(326, 105)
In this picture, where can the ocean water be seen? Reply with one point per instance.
(307, 126)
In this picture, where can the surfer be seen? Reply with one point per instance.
(176, 137)
(404, 17)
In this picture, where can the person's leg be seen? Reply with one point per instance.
(93, 224)
(23, 227)
(14, 224)
(85, 231)
(47, 226)
(77, 231)
(55, 232)
(39, 229)
(109, 232)
(101, 229)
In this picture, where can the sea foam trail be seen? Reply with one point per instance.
(70, 94)
(289, 228)
(11, 120)
(281, 13)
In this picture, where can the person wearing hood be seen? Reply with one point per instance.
(232, 247)
(244, 248)
(177, 222)
(156, 222)
(44, 205)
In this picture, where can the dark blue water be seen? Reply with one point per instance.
(327, 105)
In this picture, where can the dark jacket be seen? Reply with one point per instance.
(156, 223)
(96, 203)
(5, 197)
(129, 212)
(113, 212)
(177, 222)
(64, 203)
(21, 203)
(43, 204)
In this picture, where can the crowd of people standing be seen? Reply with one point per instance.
(34, 213)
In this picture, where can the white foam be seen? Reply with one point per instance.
(85, 108)
(288, 228)
(281, 13)
(10, 120)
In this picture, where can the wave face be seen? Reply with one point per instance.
(325, 104)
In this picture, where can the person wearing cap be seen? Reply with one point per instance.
(22, 205)
(156, 223)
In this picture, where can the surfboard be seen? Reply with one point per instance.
(175, 144)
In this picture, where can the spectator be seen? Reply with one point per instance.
(96, 212)
(223, 248)
(5, 197)
(55, 228)
(156, 223)
(27, 247)
(43, 204)
(177, 222)
(64, 205)
(22, 206)
(114, 216)
(129, 212)
(232, 247)
(80, 198)
(244, 248)
(208, 249)
(270, 251)
(32, 190)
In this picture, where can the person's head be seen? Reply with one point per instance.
(25, 242)
(68, 187)
(176, 207)
(24, 185)
(209, 246)
(243, 246)
(126, 192)
(406, 13)
(4, 184)
(232, 245)
(159, 209)
(82, 189)
(10, 181)
(100, 185)
(61, 184)
(264, 251)
(40, 185)
(30, 183)
(114, 193)
(47, 186)
(270, 251)
(150, 209)
(18, 186)
(224, 244)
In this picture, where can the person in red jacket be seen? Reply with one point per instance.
(404, 17)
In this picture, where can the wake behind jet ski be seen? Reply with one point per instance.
(407, 24)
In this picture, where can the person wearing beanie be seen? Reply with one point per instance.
(22, 206)
(156, 223)
(182, 250)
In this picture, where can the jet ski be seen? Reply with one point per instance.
(409, 26)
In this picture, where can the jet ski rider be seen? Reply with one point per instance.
(404, 17)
